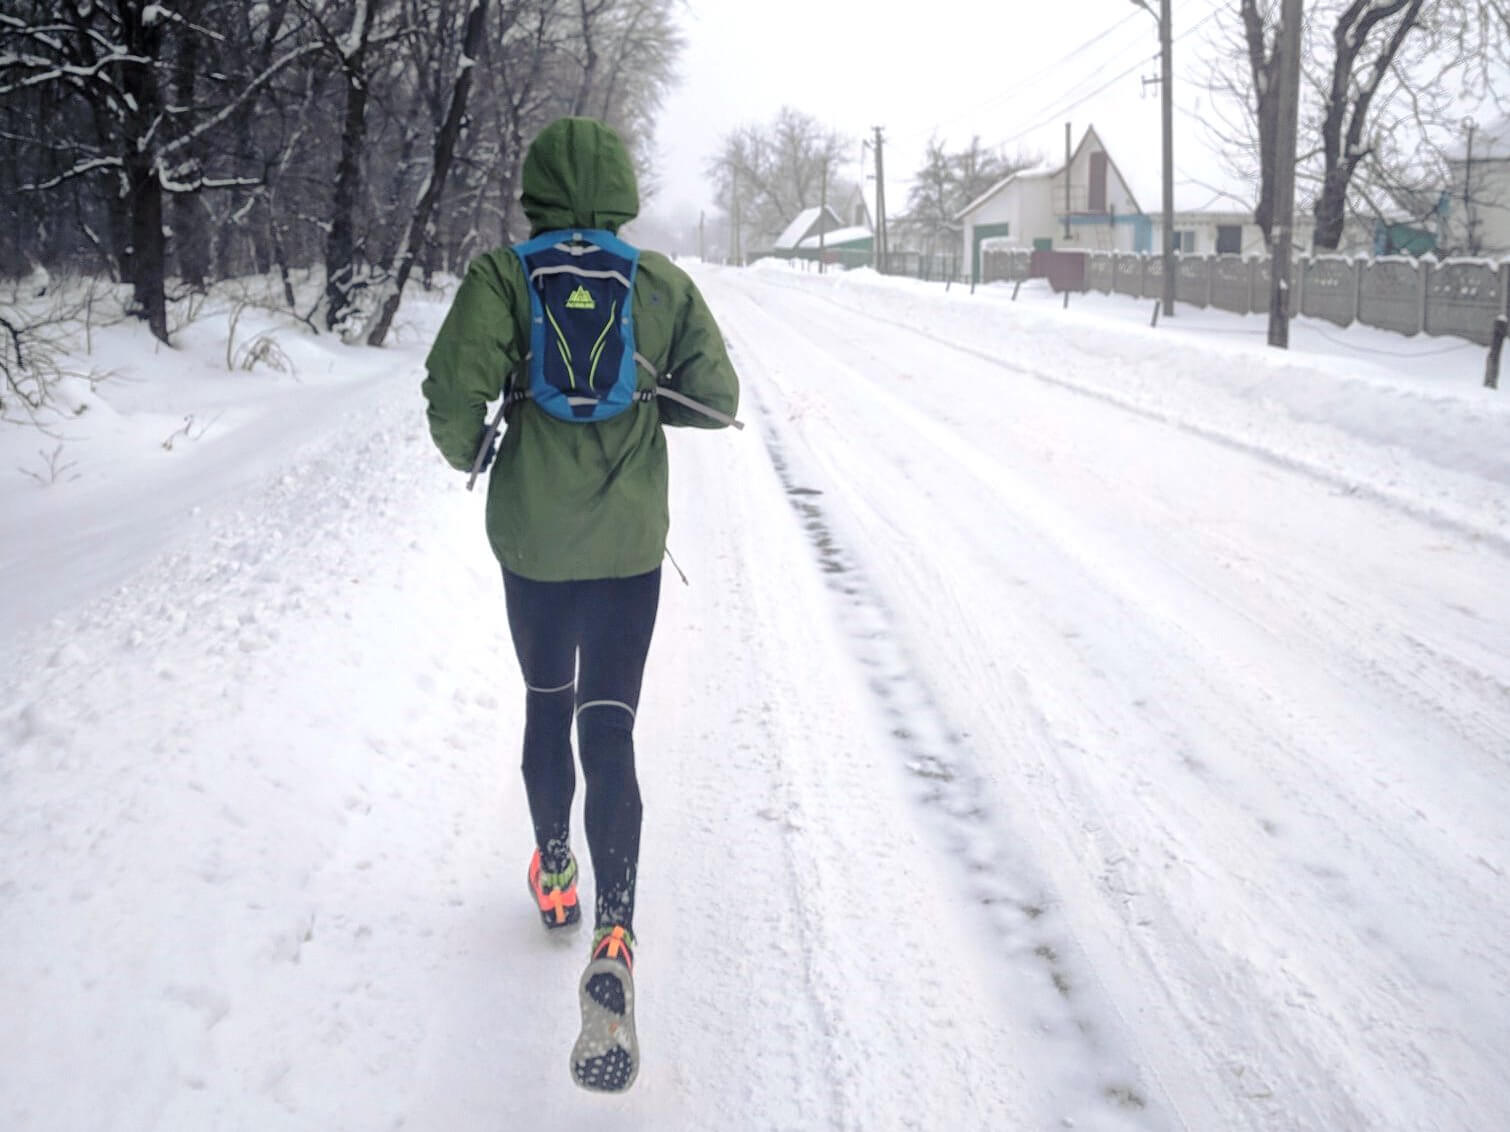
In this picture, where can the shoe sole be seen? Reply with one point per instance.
(606, 1057)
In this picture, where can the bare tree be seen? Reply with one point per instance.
(524, 96)
(589, 14)
(642, 47)
(116, 64)
(1366, 41)
(1384, 83)
(947, 182)
(349, 51)
(440, 169)
(769, 174)
(216, 137)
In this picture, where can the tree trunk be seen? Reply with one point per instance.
(340, 244)
(146, 258)
(1331, 207)
(1343, 148)
(191, 229)
(147, 253)
(1265, 70)
(281, 258)
(590, 57)
(445, 149)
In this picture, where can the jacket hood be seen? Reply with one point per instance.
(577, 174)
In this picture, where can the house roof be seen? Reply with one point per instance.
(1053, 169)
(993, 190)
(839, 236)
(799, 227)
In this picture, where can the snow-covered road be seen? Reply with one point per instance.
(1055, 733)
(1250, 731)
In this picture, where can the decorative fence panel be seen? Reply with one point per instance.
(1153, 277)
(1232, 282)
(998, 265)
(1127, 271)
(1100, 274)
(1192, 281)
(1329, 289)
(1392, 296)
(1396, 293)
(1457, 297)
(1463, 299)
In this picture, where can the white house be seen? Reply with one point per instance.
(809, 222)
(1213, 233)
(1200, 232)
(1083, 203)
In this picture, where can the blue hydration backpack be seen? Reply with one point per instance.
(582, 360)
(581, 364)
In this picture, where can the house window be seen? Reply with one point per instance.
(1184, 241)
(1098, 182)
(1229, 239)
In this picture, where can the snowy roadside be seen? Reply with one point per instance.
(146, 441)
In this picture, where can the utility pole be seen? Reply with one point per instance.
(1469, 124)
(822, 217)
(1166, 98)
(701, 216)
(1287, 43)
(882, 250)
(1067, 181)
(1166, 90)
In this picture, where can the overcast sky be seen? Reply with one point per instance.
(1009, 72)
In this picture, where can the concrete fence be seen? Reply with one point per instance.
(1460, 297)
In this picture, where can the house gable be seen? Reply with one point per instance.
(1100, 183)
(808, 222)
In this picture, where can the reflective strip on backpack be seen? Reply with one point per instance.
(568, 269)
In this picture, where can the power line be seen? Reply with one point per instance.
(1024, 83)
(1070, 91)
(1058, 113)
(1049, 119)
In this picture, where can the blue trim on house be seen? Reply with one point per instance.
(1103, 218)
(1142, 225)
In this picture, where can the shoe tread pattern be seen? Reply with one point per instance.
(606, 1057)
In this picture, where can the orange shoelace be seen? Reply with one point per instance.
(615, 945)
(557, 900)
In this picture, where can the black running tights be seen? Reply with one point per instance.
(582, 648)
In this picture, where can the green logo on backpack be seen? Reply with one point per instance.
(580, 300)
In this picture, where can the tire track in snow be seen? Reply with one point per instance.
(1021, 919)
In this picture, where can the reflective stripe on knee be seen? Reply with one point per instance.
(607, 703)
(567, 687)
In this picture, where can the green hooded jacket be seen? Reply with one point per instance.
(569, 500)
